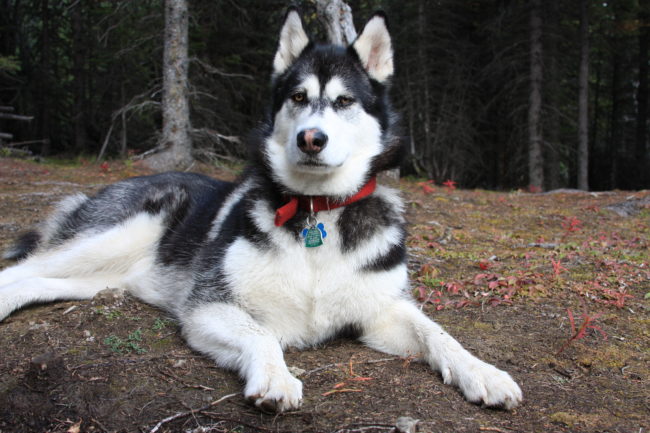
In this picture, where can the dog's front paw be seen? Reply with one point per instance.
(483, 383)
(274, 390)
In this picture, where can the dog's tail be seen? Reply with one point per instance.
(23, 246)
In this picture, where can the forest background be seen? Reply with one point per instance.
(488, 91)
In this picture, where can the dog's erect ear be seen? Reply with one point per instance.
(293, 40)
(374, 48)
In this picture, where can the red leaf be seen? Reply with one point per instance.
(426, 186)
(450, 184)
(571, 321)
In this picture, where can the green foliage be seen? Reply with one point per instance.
(128, 345)
(160, 324)
(9, 64)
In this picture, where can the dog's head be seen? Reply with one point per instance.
(331, 119)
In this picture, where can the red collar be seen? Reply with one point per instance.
(320, 203)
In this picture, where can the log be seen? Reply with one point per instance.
(15, 117)
(23, 143)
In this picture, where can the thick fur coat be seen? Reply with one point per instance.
(241, 285)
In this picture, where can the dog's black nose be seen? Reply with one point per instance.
(312, 141)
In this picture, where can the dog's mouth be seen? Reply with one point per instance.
(317, 167)
(313, 163)
(316, 164)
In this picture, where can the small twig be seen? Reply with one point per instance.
(339, 364)
(216, 135)
(496, 429)
(212, 70)
(143, 155)
(547, 245)
(98, 424)
(218, 417)
(190, 412)
(188, 385)
(365, 427)
(427, 299)
(137, 360)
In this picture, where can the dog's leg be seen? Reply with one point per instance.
(38, 289)
(235, 340)
(114, 250)
(404, 330)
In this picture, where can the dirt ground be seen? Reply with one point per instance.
(506, 273)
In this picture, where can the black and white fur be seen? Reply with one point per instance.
(241, 288)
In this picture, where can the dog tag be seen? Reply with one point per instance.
(314, 235)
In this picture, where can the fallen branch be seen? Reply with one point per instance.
(145, 154)
(190, 412)
(16, 117)
(105, 144)
(212, 70)
(16, 152)
(210, 133)
(23, 143)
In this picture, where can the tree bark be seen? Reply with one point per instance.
(43, 83)
(175, 146)
(583, 95)
(424, 114)
(123, 136)
(79, 77)
(552, 145)
(535, 156)
(640, 150)
(336, 16)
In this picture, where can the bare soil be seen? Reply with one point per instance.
(499, 270)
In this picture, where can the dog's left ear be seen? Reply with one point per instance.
(293, 41)
(374, 48)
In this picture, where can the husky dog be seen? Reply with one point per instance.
(303, 247)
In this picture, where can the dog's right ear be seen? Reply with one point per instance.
(293, 40)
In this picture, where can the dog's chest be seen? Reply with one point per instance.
(305, 294)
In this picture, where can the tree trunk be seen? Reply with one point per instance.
(641, 157)
(535, 157)
(336, 16)
(583, 94)
(123, 136)
(175, 146)
(552, 146)
(43, 109)
(79, 78)
(424, 114)
(596, 156)
(615, 138)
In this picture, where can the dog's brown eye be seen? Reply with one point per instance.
(298, 97)
(344, 101)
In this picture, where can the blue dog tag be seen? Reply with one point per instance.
(314, 235)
